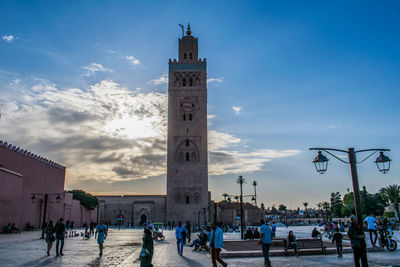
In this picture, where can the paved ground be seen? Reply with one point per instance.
(122, 248)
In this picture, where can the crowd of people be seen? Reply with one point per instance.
(211, 237)
(59, 231)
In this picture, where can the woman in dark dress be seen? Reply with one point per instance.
(50, 230)
(146, 255)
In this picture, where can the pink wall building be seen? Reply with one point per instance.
(24, 174)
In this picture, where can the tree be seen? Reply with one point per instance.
(273, 209)
(370, 204)
(336, 205)
(225, 195)
(392, 193)
(87, 200)
(326, 207)
(236, 198)
(282, 207)
(305, 207)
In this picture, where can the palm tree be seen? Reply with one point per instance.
(236, 198)
(326, 207)
(392, 193)
(305, 207)
(225, 195)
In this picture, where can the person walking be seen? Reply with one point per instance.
(188, 231)
(60, 230)
(146, 255)
(92, 224)
(266, 241)
(371, 221)
(100, 235)
(216, 243)
(338, 238)
(357, 239)
(49, 231)
(179, 237)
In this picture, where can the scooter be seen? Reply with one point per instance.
(386, 239)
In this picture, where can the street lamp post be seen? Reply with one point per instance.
(255, 192)
(205, 217)
(46, 197)
(240, 180)
(382, 162)
(215, 212)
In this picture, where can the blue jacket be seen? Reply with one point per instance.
(178, 232)
(219, 238)
(266, 233)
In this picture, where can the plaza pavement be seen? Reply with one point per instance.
(122, 248)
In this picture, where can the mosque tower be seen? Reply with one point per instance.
(187, 165)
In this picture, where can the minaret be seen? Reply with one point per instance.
(187, 165)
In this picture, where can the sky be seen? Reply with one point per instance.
(84, 83)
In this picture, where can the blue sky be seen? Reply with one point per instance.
(83, 83)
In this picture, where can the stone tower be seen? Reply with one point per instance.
(187, 166)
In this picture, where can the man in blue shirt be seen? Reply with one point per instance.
(370, 220)
(179, 237)
(216, 243)
(266, 241)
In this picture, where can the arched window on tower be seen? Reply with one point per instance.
(184, 117)
(190, 56)
(187, 142)
(184, 55)
(196, 199)
(178, 198)
(190, 116)
(187, 156)
(187, 199)
(190, 81)
(184, 82)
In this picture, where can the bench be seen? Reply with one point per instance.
(311, 243)
(306, 244)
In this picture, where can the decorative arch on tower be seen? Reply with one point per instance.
(187, 152)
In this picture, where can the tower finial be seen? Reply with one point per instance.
(188, 32)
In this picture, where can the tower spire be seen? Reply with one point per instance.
(188, 32)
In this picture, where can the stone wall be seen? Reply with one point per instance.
(135, 209)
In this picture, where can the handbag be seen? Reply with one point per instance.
(143, 253)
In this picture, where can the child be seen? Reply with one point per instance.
(338, 237)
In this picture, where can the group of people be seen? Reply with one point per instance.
(57, 232)
(215, 237)
(11, 228)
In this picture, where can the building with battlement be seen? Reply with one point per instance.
(24, 174)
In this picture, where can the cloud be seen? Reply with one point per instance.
(93, 131)
(131, 59)
(227, 156)
(109, 134)
(95, 67)
(134, 61)
(8, 38)
(216, 80)
(237, 109)
(334, 126)
(163, 79)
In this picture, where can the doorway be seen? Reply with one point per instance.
(143, 220)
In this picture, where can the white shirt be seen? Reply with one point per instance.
(371, 222)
